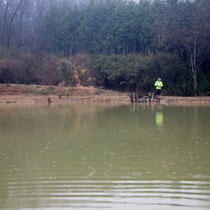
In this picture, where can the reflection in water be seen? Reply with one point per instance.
(159, 118)
(104, 156)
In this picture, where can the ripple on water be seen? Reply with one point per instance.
(65, 192)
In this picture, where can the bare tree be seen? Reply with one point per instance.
(20, 21)
(187, 29)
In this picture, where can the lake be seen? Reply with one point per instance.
(99, 156)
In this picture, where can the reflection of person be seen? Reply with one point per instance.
(159, 118)
(158, 86)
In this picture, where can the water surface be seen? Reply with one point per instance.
(86, 156)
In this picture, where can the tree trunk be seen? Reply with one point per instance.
(5, 24)
(194, 74)
(9, 31)
(193, 62)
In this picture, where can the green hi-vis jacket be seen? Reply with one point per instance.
(158, 84)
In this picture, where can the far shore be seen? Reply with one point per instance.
(27, 94)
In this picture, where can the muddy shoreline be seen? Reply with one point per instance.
(177, 100)
(20, 99)
(27, 94)
(12, 93)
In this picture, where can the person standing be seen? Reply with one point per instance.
(158, 86)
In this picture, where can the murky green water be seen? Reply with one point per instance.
(104, 156)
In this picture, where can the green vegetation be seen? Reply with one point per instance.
(117, 44)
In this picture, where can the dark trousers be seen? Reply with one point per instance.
(157, 92)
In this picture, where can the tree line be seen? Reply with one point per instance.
(118, 44)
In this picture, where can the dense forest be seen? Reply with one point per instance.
(115, 44)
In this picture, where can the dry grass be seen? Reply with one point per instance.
(12, 93)
(15, 93)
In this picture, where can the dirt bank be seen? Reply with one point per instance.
(12, 93)
(185, 100)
